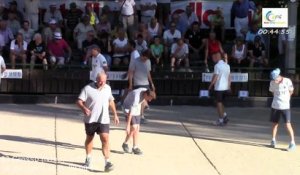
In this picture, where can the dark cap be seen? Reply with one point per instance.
(13, 3)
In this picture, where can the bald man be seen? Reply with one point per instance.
(94, 101)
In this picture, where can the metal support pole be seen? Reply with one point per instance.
(290, 54)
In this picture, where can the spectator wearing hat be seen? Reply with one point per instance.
(81, 30)
(72, 19)
(49, 31)
(148, 10)
(53, 13)
(31, 8)
(13, 8)
(37, 51)
(27, 31)
(18, 51)
(59, 50)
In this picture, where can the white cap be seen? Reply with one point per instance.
(57, 35)
(52, 21)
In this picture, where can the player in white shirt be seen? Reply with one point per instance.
(282, 89)
(95, 100)
(99, 63)
(221, 82)
(2, 67)
(132, 108)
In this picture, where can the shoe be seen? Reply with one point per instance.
(292, 146)
(87, 162)
(108, 167)
(125, 148)
(137, 151)
(144, 121)
(273, 144)
(218, 123)
(225, 120)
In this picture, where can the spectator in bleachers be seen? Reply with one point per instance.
(257, 53)
(93, 16)
(72, 18)
(170, 36)
(257, 16)
(81, 30)
(239, 53)
(164, 10)
(111, 15)
(13, 8)
(148, 10)
(252, 33)
(105, 46)
(49, 31)
(53, 13)
(239, 13)
(188, 18)
(6, 37)
(154, 29)
(142, 30)
(157, 50)
(194, 39)
(99, 63)
(37, 52)
(175, 17)
(179, 54)
(218, 24)
(103, 26)
(120, 49)
(3, 11)
(59, 50)
(13, 23)
(128, 16)
(115, 32)
(26, 31)
(134, 54)
(212, 45)
(90, 41)
(18, 51)
(31, 8)
(141, 44)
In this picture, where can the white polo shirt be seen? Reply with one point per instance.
(98, 102)
(128, 8)
(281, 92)
(222, 70)
(97, 65)
(118, 43)
(16, 48)
(169, 37)
(2, 65)
(148, 13)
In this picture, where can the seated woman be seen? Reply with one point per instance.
(18, 50)
(239, 53)
(154, 29)
(37, 51)
(120, 50)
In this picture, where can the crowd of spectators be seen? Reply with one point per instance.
(174, 41)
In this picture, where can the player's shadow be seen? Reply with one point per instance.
(47, 142)
(68, 164)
